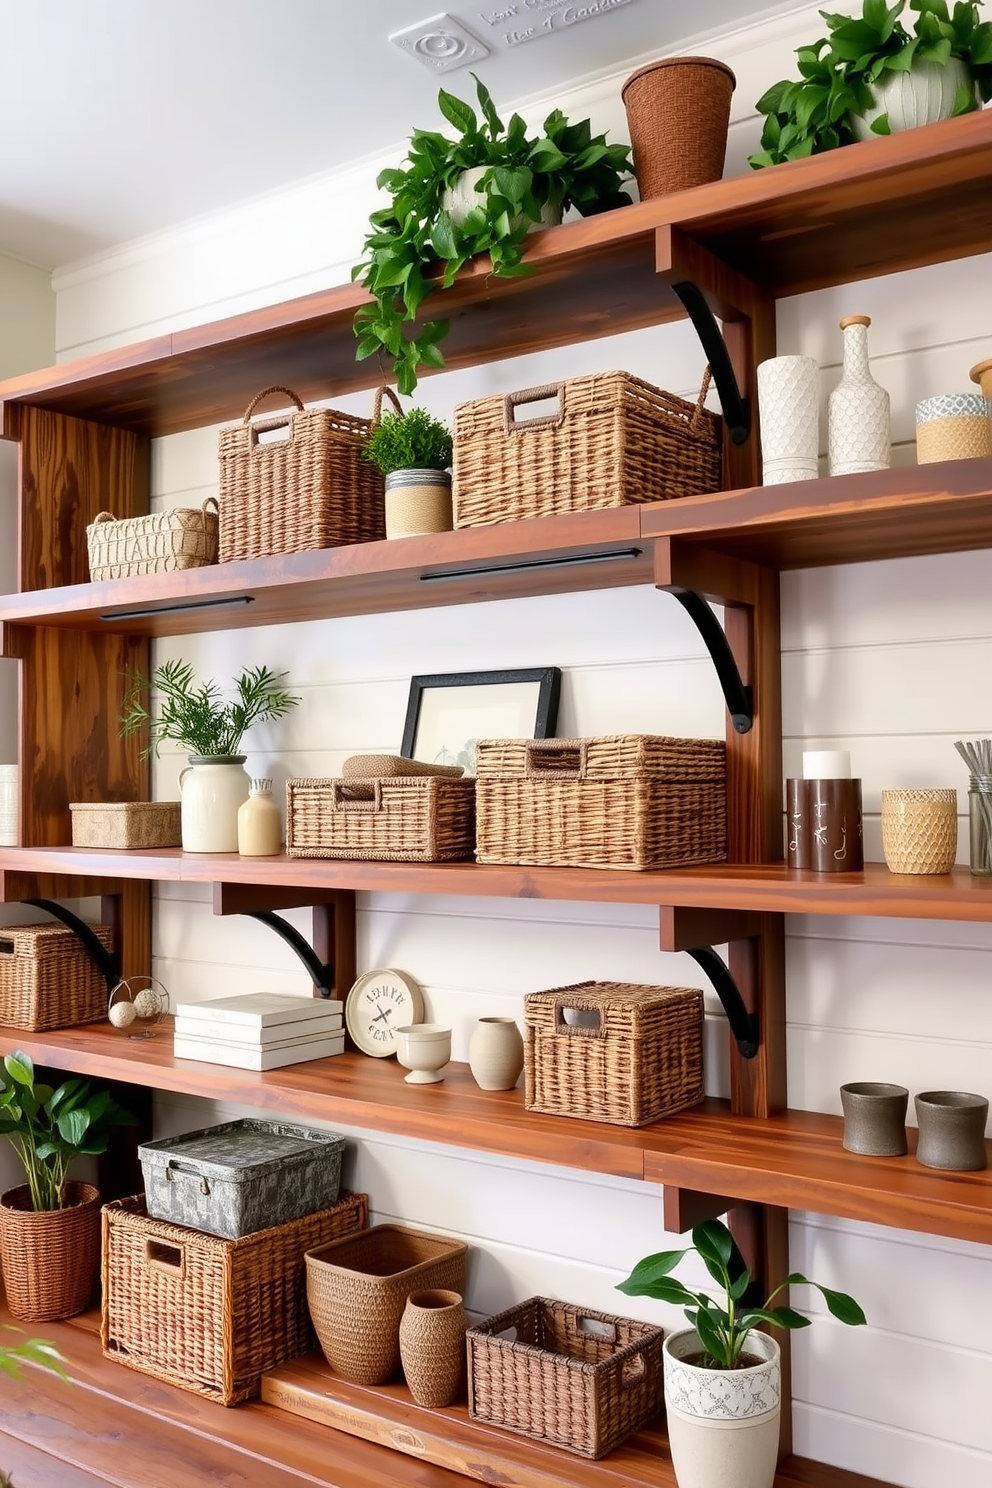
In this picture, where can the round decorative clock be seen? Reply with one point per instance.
(380, 1002)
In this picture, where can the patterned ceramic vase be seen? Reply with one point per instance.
(723, 1424)
(954, 426)
(924, 95)
(432, 1346)
(788, 388)
(920, 830)
(858, 428)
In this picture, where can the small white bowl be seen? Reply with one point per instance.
(423, 1049)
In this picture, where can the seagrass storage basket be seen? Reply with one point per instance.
(307, 490)
(578, 1379)
(616, 801)
(610, 1051)
(399, 819)
(48, 978)
(162, 542)
(126, 824)
(613, 440)
(205, 1313)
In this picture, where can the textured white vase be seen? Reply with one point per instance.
(496, 1054)
(858, 415)
(788, 406)
(723, 1424)
(213, 788)
(458, 200)
(924, 95)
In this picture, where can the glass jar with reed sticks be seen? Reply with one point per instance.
(977, 755)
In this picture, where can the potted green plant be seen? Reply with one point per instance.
(481, 192)
(50, 1225)
(214, 784)
(872, 75)
(722, 1376)
(413, 451)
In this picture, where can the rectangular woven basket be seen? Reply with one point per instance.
(205, 1313)
(580, 1379)
(126, 824)
(402, 819)
(162, 542)
(630, 801)
(48, 978)
(614, 440)
(610, 1051)
(308, 490)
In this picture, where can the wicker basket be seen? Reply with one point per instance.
(209, 1314)
(357, 1290)
(309, 490)
(579, 1379)
(399, 819)
(618, 801)
(126, 824)
(51, 1256)
(608, 1051)
(48, 978)
(615, 441)
(160, 543)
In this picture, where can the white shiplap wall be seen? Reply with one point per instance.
(888, 659)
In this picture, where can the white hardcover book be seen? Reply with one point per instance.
(261, 1009)
(252, 1036)
(241, 1056)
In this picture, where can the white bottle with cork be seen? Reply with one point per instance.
(259, 823)
(858, 414)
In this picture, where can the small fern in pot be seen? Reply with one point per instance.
(413, 451)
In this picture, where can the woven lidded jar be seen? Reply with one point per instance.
(953, 426)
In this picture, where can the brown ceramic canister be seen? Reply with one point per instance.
(797, 827)
(834, 813)
(874, 1118)
(952, 1130)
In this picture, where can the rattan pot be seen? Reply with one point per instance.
(418, 501)
(50, 1257)
(678, 112)
(432, 1346)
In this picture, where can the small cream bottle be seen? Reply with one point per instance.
(259, 823)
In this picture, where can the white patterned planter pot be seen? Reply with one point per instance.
(788, 408)
(925, 95)
(723, 1424)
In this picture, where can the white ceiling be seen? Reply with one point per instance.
(121, 117)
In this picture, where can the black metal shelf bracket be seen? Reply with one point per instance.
(743, 1025)
(322, 976)
(738, 695)
(736, 410)
(109, 962)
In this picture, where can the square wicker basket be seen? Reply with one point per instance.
(578, 1379)
(48, 978)
(126, 824)
(162, 542)
(617, 801)
(397, 818)
(614, 440)
(205, 1313)
(610, 1051)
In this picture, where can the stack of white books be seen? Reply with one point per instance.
(259, 1030)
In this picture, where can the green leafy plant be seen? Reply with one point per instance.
(837, 73)
(723, 1329)
(410, 441)
(566, 166)
(198, 717)
(48, 1128)
(32, 1351)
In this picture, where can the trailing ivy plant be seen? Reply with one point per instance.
(566, 166)
(837, 73)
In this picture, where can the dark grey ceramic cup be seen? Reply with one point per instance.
(874, 1118)
(952, 1130)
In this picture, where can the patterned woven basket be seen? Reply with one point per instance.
(48, 978)
(163, 542)
(614, 441)
(308, 490)
(205, 1313)
(579, 1379)
(399, 819)
(609, 1051)
(617, 801)
(50, 1257)
(357, 1290)
(126, 824)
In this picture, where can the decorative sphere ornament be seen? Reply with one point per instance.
(147, 1004)
(122, 1014)
(138, 999)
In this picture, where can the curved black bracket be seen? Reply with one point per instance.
(736, 412)
(109, 962)
(739, 696)
(743, 1025)
(322, 976)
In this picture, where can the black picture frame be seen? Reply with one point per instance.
(426, 716)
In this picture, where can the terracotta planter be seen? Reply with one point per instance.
(678, 112)
(723, 1424)
(50, 1259)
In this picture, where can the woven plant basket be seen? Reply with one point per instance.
(205, 1313)
(614, 441)
(357, 1290)
(309, 490)
(398, 819)
(48, 978)
(126, 824)
(678, 112)
(631, 801)
(576, 1378)
(432, 1346)
(162, 542)
(50, 1258)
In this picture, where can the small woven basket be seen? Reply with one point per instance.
(309, 490)
(50, 1257)
(126, 824)
(48, 978)
(396, 818)
(614, 441)
(579, 1379)
(163, 542)
(205, 1313)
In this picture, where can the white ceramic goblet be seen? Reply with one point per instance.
(423, 1049)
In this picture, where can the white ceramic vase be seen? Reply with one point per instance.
(496, 1054)
(858, 416)
(418, 501)
(213, 788)
(458, 200)
(788, 409)
(723, 1424)
(924, 95)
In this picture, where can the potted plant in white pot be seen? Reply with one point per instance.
(413, 451)
(213, 785)
(722, 1376)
